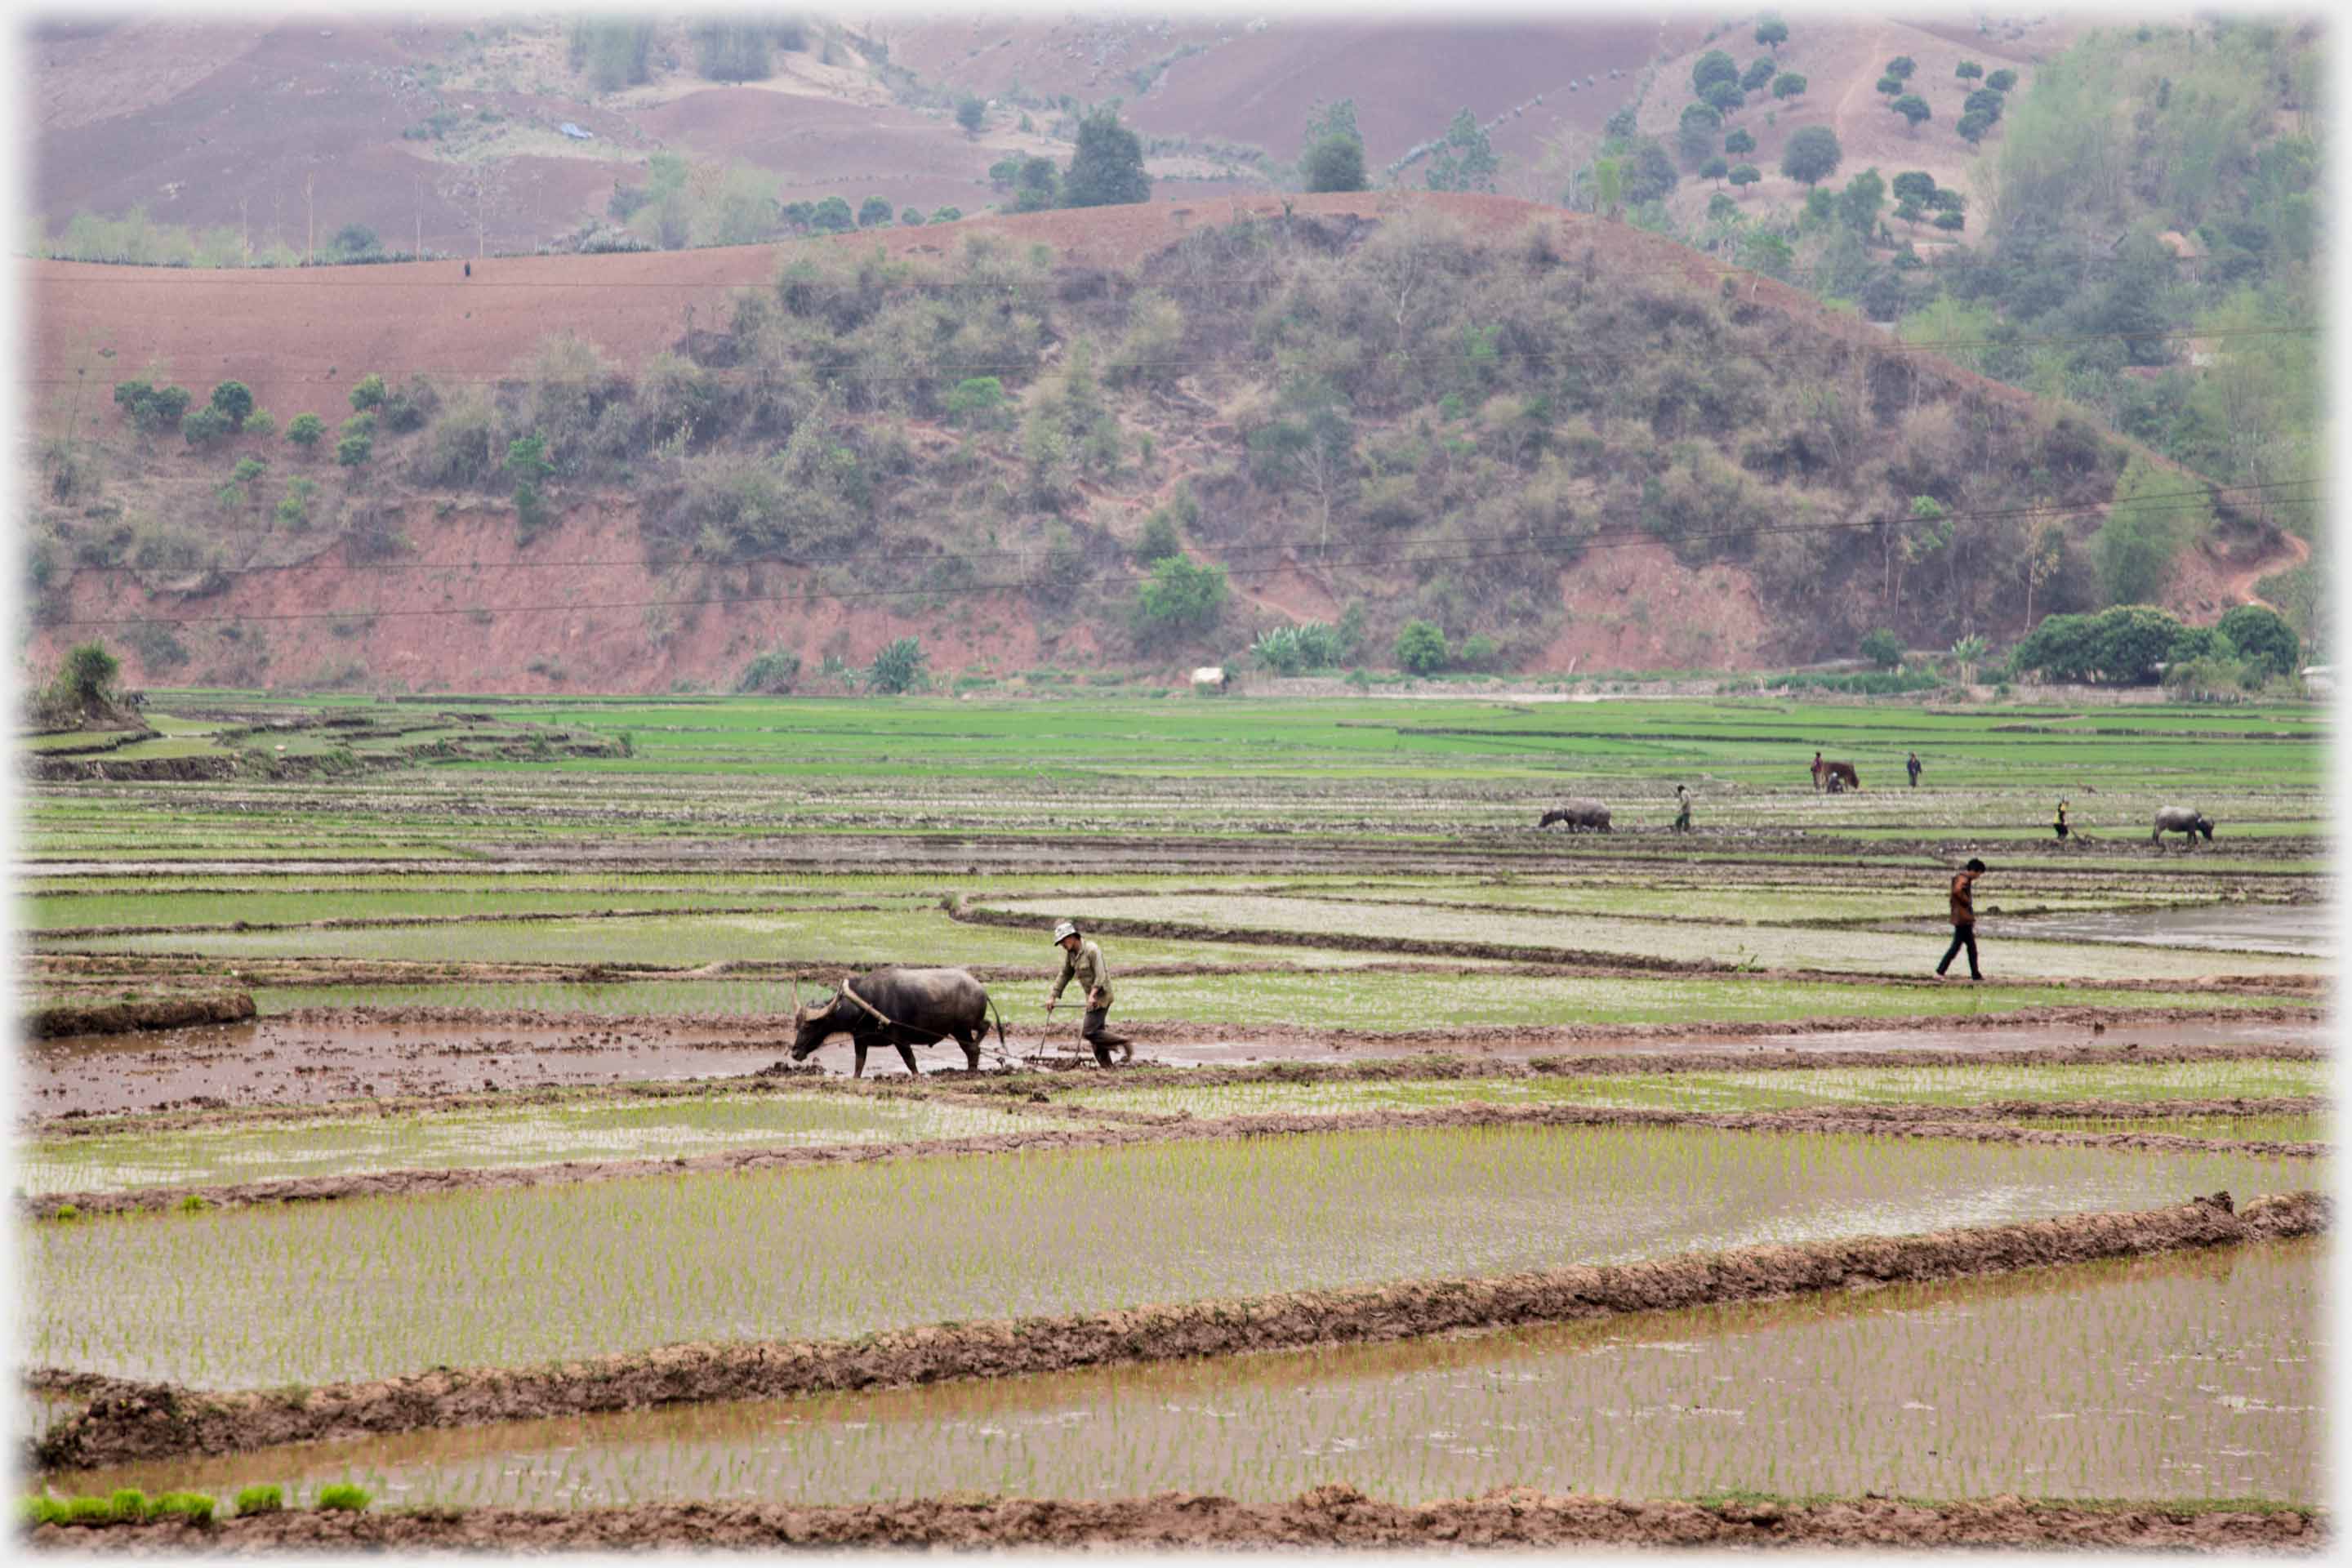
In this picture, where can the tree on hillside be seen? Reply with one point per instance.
(1696, 138)
(832, 215)
(1743, 175)
(1859, 202)
(367, 392)
(305, 430)
(1969, 70)
(1913, 108)
(1037, 185)
(1972, 128)
(233, 401)
(875, 211)
(1915, 186)
(2002, 81)
(1332, 158)
(1714, 169)
(1722, 97)
(1464, 161)
(1787, 85)
(1888, 85)
(731, 50)
(1421, 648)
(2262, 637)
(1773, 32)
(1901, 66)
(1984, 102)
(1757, 76)
(1882, 649)
(1812, 155)
(972, 113)
(1608, 187)
(1713, 66)
(1180, 598)
(2147, 523)
(1740, 143)
(1107, 170)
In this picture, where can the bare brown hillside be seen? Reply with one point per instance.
(386, 585)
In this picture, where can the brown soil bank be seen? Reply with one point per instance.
(95, 1014)
(1327, 1516)
(126, 1421)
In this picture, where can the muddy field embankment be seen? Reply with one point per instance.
(125, 1420)
(1130, 1126)
(1333, 1516)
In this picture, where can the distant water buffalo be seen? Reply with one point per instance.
(2185, 820)
(901, 1008)
(1581, 815)
(1833, 776)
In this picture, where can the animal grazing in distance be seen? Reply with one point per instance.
(2185, 820)
(1833, 776)
(1581, 815)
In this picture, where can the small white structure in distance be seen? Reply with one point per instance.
(576, 133)
(1210, 678)
(2318, 678)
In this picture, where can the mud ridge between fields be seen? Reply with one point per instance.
(126, 1421)
(782, 1077)
(1135, 1128)
(69, 1014)
(1330, 1516)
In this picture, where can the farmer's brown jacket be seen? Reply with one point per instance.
(1086, 967)
(1964, 904)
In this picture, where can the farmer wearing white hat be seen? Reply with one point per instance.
(1083, 962)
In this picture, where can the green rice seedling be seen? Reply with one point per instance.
(130, 1505)
(344, 1498)
(41, 1509)
(67, 1213)
(193, 1204)
(260, 1498)
(196, 1508)
(87, 1510)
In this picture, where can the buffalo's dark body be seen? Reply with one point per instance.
(922, 1006)
(2185, 820)
(1834, 777)
(1581, 816)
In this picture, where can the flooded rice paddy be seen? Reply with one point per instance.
(503, 1277)
(2185, 1376)
(489, 1137)
(2259, 1078)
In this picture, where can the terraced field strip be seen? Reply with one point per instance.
(513, 1276)
(1952, 1389)
(122, 1423)
(578, 1128)
(1956, 1086)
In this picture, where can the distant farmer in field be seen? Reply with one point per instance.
(2061, 823)
(1964, 920)
(1083, 964)
(1682, 817)
(1912, 766)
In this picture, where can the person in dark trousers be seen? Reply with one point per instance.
(1084, 964)
(1682, 817)
(1913, 767)
(2063, 831)
(469, 269)
(1964, 920)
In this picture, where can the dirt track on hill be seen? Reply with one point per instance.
(125, 1420)
(1334, 1516)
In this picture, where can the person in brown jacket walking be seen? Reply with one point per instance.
(1964, 920)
